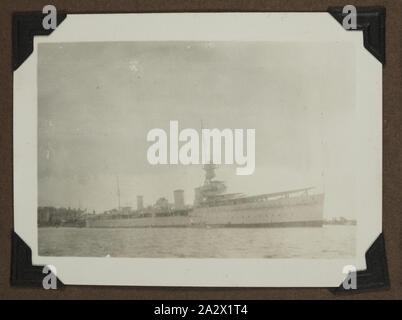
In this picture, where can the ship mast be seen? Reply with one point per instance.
(209, 168)
(118, 191)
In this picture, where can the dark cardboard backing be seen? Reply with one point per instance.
(392, 174)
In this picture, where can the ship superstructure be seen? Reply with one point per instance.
(214, 208)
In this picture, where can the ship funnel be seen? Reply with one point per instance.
(178, 199)
(140, 203)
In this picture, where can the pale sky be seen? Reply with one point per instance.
(97, 102)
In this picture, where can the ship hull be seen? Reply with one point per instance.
(302, 211)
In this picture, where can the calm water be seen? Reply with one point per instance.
(325, 242)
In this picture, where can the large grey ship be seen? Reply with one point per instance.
(213, 207)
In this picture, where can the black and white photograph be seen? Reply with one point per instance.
(98, 193)
(209, 152)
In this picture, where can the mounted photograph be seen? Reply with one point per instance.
(212, 151)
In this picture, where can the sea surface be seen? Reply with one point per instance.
(326, 242)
